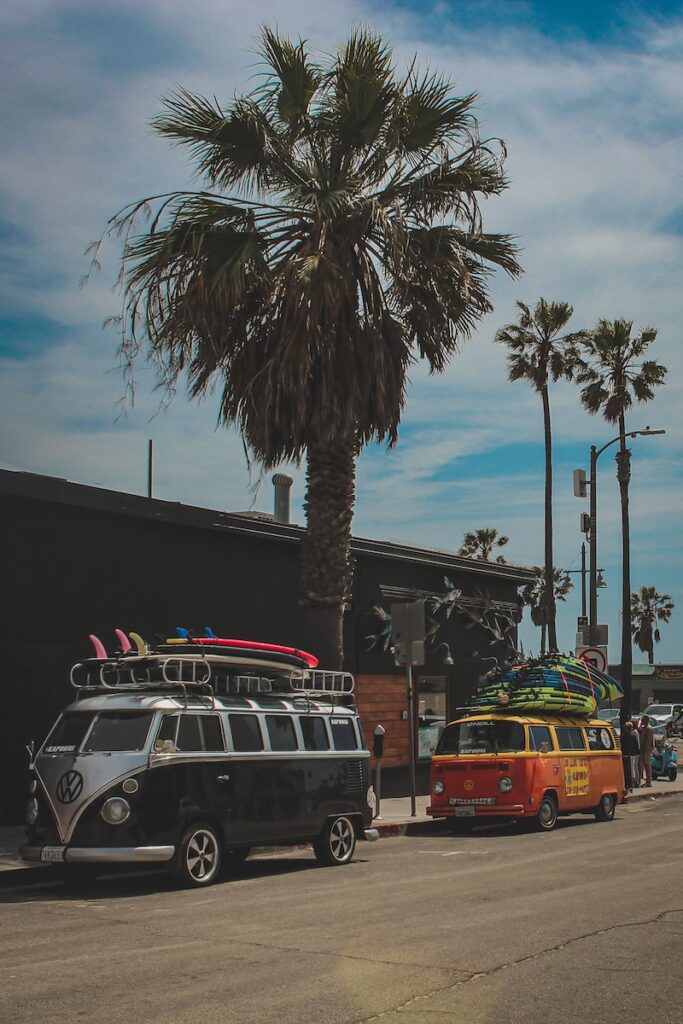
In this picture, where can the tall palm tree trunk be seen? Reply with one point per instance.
(623, 460)
(549, 567)
(326, 570)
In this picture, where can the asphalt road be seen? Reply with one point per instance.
(583, 924)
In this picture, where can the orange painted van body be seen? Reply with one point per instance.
(526, 766)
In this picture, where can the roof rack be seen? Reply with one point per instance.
(162, 671)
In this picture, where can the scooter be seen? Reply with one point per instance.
(664, 761)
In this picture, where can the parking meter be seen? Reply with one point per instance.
(378, 751)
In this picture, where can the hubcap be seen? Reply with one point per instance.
(341, 839)
(201, 856)
(546, 813)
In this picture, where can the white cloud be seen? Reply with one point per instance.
(595, 156)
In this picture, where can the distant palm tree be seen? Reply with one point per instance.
(647, 608)
(534, 595)
(339, 239)
(539, 353)
(481, 543)
(613, 376)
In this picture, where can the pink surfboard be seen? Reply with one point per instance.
(252, 645)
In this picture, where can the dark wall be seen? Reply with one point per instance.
(72, 569)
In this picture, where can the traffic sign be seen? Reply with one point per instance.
(594, 656)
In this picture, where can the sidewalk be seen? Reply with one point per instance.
(395, 820)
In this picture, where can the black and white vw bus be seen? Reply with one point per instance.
(191, 762)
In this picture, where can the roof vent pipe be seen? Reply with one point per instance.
(282, 484)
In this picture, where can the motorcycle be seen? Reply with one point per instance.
(664, 761)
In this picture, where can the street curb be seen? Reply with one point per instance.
(651, 795)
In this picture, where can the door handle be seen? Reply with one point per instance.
(222, 778)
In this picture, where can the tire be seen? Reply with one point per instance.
(672, 772)
(606, 808)
(198, 858)
(336, 842)
(546, 820)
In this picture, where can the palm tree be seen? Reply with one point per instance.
(480, 544)
(647, 608)
(539, 354)
(534, 594)
(338, 238)
(613, 376)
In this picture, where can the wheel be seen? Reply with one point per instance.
(198, 857)
(336, 842)
(547, 813)
(606, 808)
(672, 772)
(235, 857)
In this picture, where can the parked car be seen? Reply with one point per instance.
(664, 714)
(609, 715)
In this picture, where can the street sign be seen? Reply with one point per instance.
(408, 632)
(594, 656)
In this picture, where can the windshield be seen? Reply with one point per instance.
(118, 730)
(68, 733)
(481, 738)
(607, 714)
(659, 709)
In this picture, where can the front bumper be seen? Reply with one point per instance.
(481, 811)
(97, 854)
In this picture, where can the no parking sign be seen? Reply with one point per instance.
(596, 656)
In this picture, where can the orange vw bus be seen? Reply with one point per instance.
(526, 766)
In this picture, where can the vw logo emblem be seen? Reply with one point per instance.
(469, 785)
(69, 787)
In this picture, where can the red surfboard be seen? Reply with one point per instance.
(253, 645)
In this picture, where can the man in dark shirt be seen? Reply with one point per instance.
(647, 742)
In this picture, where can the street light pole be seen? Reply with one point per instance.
(593, 539)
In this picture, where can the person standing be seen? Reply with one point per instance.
(630, 750)
(647, 742)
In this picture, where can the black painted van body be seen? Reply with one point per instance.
(233, 772)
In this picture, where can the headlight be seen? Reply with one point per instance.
(32, 812)
(505, 784)
(439, 787)
(115, 810)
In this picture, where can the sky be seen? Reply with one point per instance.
(588, 99)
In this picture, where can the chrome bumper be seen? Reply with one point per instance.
(371, 834)
(101, 854)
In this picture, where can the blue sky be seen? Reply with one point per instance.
(587, 97)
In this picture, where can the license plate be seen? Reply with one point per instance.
(52, 853)
(464, 812)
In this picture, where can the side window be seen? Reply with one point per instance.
(165, 741)
(246, 734)
(570, 738)
(343, 734)
(600, 739)
(189, 734)
(213, 734)
(281, 732)
(540, 738)
(314, 732)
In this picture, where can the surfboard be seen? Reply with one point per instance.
(309, 660)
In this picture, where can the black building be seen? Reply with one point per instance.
(80, 560)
